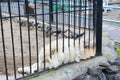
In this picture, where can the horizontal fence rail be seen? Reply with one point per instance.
(38, 36)
(113, 8)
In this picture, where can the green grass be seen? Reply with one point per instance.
(118, 51)
(117, 48)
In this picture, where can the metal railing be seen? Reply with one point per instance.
(32, 33)
(114, 8)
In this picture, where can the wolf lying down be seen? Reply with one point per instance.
(72, 53)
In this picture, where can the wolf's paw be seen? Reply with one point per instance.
(25, 70)
(77, 60)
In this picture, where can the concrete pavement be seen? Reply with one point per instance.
(113, 31)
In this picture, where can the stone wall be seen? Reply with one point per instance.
(108, 47)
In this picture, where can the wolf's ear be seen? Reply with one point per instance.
(80, 35)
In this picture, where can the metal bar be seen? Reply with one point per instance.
(80, 13)
(12, 36)
(85, 2)
(43, 34)
(51, 10)
(46, 2)
(69, 19)
(63, 22)
(112, 7)
(72, 17)
(29, 40)
(57, 25)
(48, 13)
(50, 21)
(89, 23)
(0, 12)
(99, 28)
(112, 3)
(24, 11)
(94, 20)
(3, 44)
(74, 21)
(21, 38)
(36, 28)
(113, 21)
(71, 11)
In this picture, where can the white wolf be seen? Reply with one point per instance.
(72, 53)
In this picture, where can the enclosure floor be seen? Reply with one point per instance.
(17, 46)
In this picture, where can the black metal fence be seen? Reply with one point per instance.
(34, 32)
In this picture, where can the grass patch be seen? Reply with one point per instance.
(117, 48)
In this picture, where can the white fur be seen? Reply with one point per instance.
(72, 53)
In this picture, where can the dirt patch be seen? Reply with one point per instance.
(17, 46)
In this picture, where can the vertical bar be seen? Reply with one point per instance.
(43, 32)
(63, 22)
(80, 11)
(3, 43)
(94, 20)
(74, 20)
(89, 21)
(0, 12)
(99, 28)
(51, 10)
(69, 19)
(56, 25)
(29, 41)
(12, 36)
(36, 29)
(85, 5)
(21, 38)
(50, 21)
(71, 15)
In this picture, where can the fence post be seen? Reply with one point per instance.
(0, 13)
(51, 11)
(99, 28)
